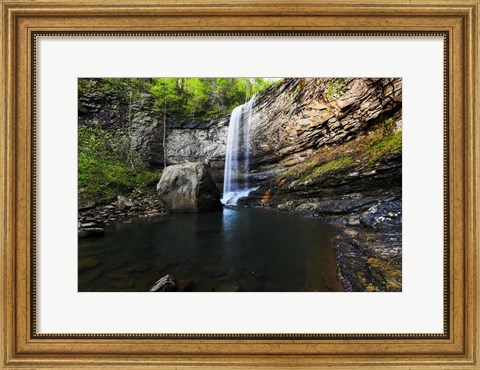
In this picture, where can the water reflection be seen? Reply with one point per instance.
(238, 249)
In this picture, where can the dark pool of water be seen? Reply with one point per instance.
(234, 250)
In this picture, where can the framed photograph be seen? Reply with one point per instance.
(209, 184)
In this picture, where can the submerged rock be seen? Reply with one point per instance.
(189, 187)
(164, 284)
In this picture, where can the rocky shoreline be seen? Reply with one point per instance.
(93, 217)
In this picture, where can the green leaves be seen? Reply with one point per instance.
(103, 171)
(204, 98)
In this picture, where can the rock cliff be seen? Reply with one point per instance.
(133, 121)
(299, 116)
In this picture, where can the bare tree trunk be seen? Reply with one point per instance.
(129, 129)
(164, 132)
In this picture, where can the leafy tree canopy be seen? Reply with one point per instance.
(188, 98)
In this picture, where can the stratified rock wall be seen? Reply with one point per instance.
(302, 115)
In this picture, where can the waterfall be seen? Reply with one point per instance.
(237, 156)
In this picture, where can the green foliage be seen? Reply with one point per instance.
(97, 142)
(103, 172)
(335, 89)
(204, 98)
(184, 98)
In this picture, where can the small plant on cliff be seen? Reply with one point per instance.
(335, 89)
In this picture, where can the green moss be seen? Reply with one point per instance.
(389, 122)
(379, 147)
(360, 153)
(334, 165)
(331, 166)
(297, 170)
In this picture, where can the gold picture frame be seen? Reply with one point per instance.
(24, 21)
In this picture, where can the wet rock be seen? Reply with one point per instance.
(383, 214)
(164, 284)
(202, 143)
(354, 220)
(369, 259)
(93, 232)
(189, 187)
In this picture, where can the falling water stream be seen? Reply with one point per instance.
(237, 157)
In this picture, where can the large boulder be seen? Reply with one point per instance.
(189, 187)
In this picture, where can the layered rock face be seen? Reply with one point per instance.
(300, 116)
(204, 143)
(189, 187)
